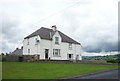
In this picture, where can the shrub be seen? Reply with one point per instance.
(113, 61)
(3, 59)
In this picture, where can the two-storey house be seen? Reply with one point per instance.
(51, 44)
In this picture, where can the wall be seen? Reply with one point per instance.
(32, 46)
(48, 44)
(16, 58)
(44, 44)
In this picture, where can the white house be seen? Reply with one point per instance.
(51, 44)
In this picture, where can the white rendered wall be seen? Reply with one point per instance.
(44, 44)
(48, 44)
(34, 49)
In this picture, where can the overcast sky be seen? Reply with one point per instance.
(93, 23)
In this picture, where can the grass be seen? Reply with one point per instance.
(16, 70)
(79, 62)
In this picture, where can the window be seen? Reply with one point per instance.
(35, 41)
(28, 51)
(56, 40)
(27, 41)
(56, 52)
(70, 46)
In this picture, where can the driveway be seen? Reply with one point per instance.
(102, 75)
(111, 75)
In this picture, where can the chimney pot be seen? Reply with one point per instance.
(54, 28)
(16, 48)
(21, 47)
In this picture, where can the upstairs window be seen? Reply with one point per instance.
(56, 40)
(28, 51)
(27, 41)
(36, 41)
(70, 46)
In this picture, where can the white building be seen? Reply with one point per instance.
(51, 44)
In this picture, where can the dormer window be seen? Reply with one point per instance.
(56, 40)
(37, 41)
(70, 46)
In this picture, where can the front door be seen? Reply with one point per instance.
(70, 56)
(46, 53)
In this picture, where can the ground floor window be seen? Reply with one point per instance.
(28, 51)
(56, 52)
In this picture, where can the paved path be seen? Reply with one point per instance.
(103, 75)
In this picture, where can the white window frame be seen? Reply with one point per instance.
(28, 51)
(70, 46)
(28, 42)
(56, 52)
(56, 40)
(35, 41)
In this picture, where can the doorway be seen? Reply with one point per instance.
(46, 53)
(70, 56)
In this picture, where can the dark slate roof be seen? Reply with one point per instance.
(44, 33)
(17, 52)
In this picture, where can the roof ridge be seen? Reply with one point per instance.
(44, 33)
(46, 28)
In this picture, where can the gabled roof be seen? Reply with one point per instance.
(17, 52)
(44, 33)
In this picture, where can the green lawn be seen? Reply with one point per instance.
(16, 70)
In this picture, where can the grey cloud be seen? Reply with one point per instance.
(95, 28)
(11, 34)
(5, 47)
(10, 30)
(98, 35)
(102, 46)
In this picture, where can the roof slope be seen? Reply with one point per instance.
(17, 52)
(44, 33)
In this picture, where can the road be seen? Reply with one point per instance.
(103, 75)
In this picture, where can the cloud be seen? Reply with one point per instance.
(11, 35)
(99, 54)
(91, 22)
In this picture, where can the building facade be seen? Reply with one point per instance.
(51, 44)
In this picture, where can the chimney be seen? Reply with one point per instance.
(21, 47)
(17, 48)
(54, 28)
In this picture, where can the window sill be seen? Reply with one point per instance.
(56, 56)
(56, 44)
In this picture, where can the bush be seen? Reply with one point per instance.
(113, 61)
(3, 59)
